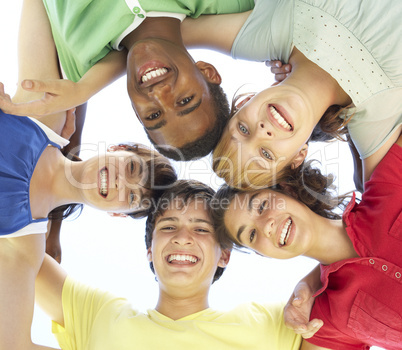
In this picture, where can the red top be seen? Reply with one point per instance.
(361, 298)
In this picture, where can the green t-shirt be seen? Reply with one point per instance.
(85, 31)
(95, 320)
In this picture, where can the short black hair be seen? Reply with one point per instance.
(206, 143)
(186, 191)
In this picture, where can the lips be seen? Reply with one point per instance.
(182, 259)
(152, 72)
(103, 182)
(285, 232)
(279, 118)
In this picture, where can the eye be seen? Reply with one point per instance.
(252, 235)
(262, 207)
(185, 101)
(203, 230)
(265, 154)
(154, 116)
(132, 167)
(131, 198)
(167, 228)
(243, 129)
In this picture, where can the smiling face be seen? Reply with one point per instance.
(169, 92)
(114, 181)
(184, 250)
(271, 130)
(271, 223)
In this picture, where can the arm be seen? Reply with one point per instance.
(48, 289)
(216, 32)
(54, 95)
(298, 309)
(370, 163)
(305, 345)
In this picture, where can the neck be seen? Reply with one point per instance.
(155, 28)
(321, 89)
(333, 243)
(179, 306)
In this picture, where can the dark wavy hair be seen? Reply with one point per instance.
(186, 191)
(306, 184)
(206, 143)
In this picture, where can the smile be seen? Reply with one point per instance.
(182, 259)
(151, 73)
(285, 232)
(280, 119)
(103, 182)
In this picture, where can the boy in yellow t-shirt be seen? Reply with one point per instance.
(186, 259)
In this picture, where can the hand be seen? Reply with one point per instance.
(280, 70)
(298, 309)
(59, 95)
(69, 126)
(4, 98)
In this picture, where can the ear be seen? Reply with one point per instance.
(300, 157)
(210, 73)
(225, 257)
(114, 148)
(117, 215)
(149, 254)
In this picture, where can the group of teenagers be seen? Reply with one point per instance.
(338, 66)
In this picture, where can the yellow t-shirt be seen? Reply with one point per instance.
(95, 320)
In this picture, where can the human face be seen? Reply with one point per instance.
(270, 223)
(169, 92)
(184, 250)
(114, 182)
(272, 128)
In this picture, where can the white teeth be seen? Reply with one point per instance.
(285, 232)
(153, 73)
(279, 118)
(103, 182)
(178, 257)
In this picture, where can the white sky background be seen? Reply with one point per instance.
(109, 253)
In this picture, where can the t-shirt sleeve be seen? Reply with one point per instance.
(83, 308)
(270, 316)
(267, 34)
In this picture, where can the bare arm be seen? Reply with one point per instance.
(48, 289)
(216, 32)
(370, 163)
(305, 345)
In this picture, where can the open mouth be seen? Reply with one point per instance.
(285, 232)
(280, 118)
(103, 182)
(152, 73)
(181, 259)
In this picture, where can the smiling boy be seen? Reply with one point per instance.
(179, 102)
(186, 258)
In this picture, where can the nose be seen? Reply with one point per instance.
(264, 128)
(183, 237)
(267, 227)
(160, 91)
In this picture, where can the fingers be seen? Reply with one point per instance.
(69, 125)
(49, 86)
(311, 328)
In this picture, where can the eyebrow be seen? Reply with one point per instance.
(157, 125)
(201, 220)
(249, 209)
(170, 218)
(190, 109)
(179, 114)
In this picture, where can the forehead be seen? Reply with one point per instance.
(178, 207)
